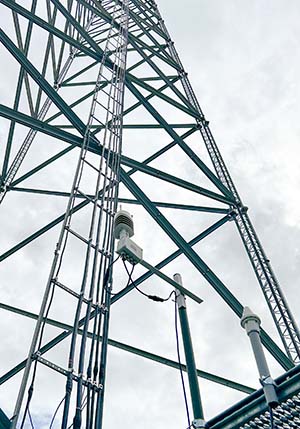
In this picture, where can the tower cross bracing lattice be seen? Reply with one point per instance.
(78, 126)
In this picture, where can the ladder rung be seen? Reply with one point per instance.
(91, 165)
(84, 240)
(67, 373)
(71, 292)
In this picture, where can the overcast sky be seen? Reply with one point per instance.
(243, 62)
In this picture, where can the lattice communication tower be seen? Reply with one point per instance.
(101, 108)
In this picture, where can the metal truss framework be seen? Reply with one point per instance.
(93, 51)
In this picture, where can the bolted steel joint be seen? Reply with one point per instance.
(269, 387)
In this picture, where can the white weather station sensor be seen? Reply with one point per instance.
(126, 248)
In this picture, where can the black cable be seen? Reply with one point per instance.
(56, 411)
(31, 387)
(30, 418)
(152, 297)
(180, 367)
(84, 403)
(106, 275)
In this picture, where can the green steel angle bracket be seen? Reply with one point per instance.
(195, 259)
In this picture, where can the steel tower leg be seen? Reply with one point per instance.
(274, 296)
(86, 47)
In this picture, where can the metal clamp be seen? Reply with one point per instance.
(267, 381)
(199, 423)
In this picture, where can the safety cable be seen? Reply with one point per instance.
(56, 411)
(152, 297)
(180, 367)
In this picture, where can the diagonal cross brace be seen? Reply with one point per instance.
(201, 266)
(143, 353)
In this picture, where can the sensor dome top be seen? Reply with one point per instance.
(123, 222)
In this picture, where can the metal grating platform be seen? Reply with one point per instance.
(252, 412)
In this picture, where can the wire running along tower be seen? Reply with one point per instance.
(95, 55)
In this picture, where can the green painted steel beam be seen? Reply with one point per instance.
(17, 97)
(133, 42)
(48, 50)
(214, 179)
(178, 206)
(42, 165)
(153, 78)
(88, 83)
(173, 179)
(115, 298)
(50, 28)
(149, 9)
(154, 46)
(143, 353)
(142, 61)
(148, 26)
(24, 49)
(139, 103)
(79, 73)
(164, 149)
(189, 355)
(69, 138)
(36, 124)
(40, 232)
(159, 72)
(42, 82)
(176, 91)
(121, 200)
(49, 192)
(146, 18)
(143, 9)
(172, 256)
(132, 126)
(201, 266)
(164, 97)
(167, 279)
(287, 385)
(74, 104)
(131, 38)
(71, 20)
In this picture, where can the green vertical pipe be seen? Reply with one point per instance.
(189, 353)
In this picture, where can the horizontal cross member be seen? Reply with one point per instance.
(143, 353)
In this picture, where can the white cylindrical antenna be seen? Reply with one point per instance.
(251, 323)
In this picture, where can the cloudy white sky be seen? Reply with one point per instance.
(243, 63)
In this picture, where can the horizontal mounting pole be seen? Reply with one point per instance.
(171, 281)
